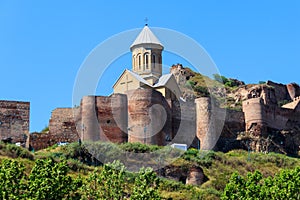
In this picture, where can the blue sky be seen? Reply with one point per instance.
(44, 43)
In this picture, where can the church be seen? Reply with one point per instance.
(145, 106)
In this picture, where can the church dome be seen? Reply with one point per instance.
(146, 37)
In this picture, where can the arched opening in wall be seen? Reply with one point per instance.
(134, 62)
(139, 61)
(146, 60)
(108, 121)
(153, 61)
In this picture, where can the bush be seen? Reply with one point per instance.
(47, 180)
(137, 147)
(146, 185)
(14, 151)
(203, 158)
(284, 185)
(203, 91)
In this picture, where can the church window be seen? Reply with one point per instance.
(139, 61)
(146, 61)
(153, 61)
(134, 62)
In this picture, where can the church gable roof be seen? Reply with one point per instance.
(146, 36)
(163, 80)
(138, 77)
(168, 81)
(134, 75)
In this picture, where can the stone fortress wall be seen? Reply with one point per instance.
(104, 118)
(128, 117)
(14, 121)
(263, 113)
(62, 128)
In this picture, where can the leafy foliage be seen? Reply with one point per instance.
(12, 179)
(45, 130)
(108, 183)
(203, 158)
(14, 151)
(146, 185)
(49, 180)
(137, 147)
(285, 185)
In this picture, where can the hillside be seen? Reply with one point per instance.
(216, 168)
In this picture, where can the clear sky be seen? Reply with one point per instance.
(43, 43)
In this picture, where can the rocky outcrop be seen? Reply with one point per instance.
(191, 175)
(196, 176)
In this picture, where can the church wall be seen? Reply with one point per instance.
(127, 82)
(142, 69)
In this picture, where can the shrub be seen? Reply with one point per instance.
(15, 151)
(137, 147)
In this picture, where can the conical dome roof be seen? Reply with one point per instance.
(146, 36)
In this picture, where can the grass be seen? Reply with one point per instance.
(217, 166)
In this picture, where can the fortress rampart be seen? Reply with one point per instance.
(149, 117)
(112, 117)
(260, 117)
(62, 128)
(14, 121)
(210, 120)
(145, 116)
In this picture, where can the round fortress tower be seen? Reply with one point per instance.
(89, 126)
(112, 117)
(209, 122)
(104, 118)
(149, 117)
(255, 117)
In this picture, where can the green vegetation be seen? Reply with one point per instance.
(284, 185)
(68, 172)
(45, 130)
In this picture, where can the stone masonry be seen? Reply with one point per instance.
(14, 121)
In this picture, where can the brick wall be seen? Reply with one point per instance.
(62, 128)
(14, 120)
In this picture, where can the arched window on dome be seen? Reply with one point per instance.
(146, 60)
(139, 61)
(153, 60)
(134, 62)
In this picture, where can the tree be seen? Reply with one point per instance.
(49, 180)
(108, 183)
(12, 180)
(284, 185)
(146, 185)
